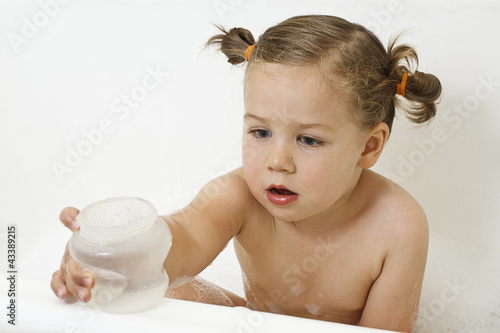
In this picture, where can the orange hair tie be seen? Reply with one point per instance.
(248, 52)
(401, 89)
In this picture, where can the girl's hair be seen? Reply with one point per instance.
(347, 55)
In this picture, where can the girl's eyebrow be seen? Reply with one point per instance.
(300, 125)
(252, 116)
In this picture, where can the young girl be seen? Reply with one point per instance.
(317, 234)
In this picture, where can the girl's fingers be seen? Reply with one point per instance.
(78, 275)
(80, 292)
(76, 280)
(72, 278)
(68, 218)
(58, 286)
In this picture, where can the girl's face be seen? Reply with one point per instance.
(300, 144)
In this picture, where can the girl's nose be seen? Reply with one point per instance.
(280, 159)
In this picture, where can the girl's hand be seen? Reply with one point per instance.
(71, 276)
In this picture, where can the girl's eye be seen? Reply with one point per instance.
(261, 133)
(311, 142)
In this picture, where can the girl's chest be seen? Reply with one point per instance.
(315, 278)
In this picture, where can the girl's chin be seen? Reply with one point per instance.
(283, 214)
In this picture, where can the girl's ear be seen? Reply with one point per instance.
(374, 144)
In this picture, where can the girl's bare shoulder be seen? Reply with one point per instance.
(394, 208)
(234, 188)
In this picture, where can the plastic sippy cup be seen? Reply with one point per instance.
(123, 243)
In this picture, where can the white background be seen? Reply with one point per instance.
(62, 74)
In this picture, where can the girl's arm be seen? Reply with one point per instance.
(393, 301)
(203, 228)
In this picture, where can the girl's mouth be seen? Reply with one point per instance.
(280, 195)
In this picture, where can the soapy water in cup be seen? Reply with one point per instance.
(115, 294)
